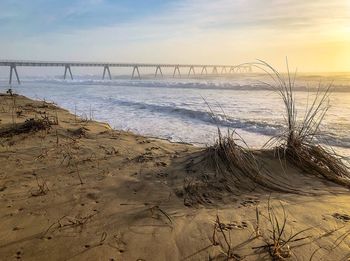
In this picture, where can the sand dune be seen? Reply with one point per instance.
(74, 189)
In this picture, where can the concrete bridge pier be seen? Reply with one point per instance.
(13, 68)
(204, 69)
(178, 71)
(160, 71)
(106, 68)
(136, 68)
(223, 70)
(245, 69)
(67, 67)
(191, 69)
(215, 70)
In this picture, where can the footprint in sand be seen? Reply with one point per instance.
(152, 148)
(250, 202)
(233, 225)
(342, 217)
(118, 243)
(161, 164)
(145, 157)
(162, 175)
(92, 196)
(144, 141)
(16, 228)
(18, 254)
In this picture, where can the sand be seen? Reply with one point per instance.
(74, 189)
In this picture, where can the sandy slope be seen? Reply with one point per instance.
(135, 202)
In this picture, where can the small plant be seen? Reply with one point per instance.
(9, 92)
(13, 106)
(227, 249)
(157, 213)
(66, 222)
(70, 159)
(91, 114)
(278, 243)
(42, 189)
(257, 227)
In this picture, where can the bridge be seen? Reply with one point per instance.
(204, 69)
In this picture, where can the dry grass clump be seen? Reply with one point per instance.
(30, 125)
(298, 142)
(79, 132)
(238, 165)
(229, 167)
(232, 160)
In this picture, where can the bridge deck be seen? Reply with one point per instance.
(102, 64)
(68, 64)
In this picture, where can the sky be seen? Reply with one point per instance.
(315, 35)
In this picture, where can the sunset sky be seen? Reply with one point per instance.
(315, 35)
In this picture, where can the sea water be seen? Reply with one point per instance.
(191, 110)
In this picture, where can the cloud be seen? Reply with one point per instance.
(39, 16)
(221, 31)
(260, 14)
(47, 16)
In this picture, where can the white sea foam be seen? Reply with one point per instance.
(175, 108)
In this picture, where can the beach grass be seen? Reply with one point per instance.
(299, 142)
(237, 165)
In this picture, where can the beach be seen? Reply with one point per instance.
(72, 188)
(175, 130)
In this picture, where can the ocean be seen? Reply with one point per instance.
(178, 109)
